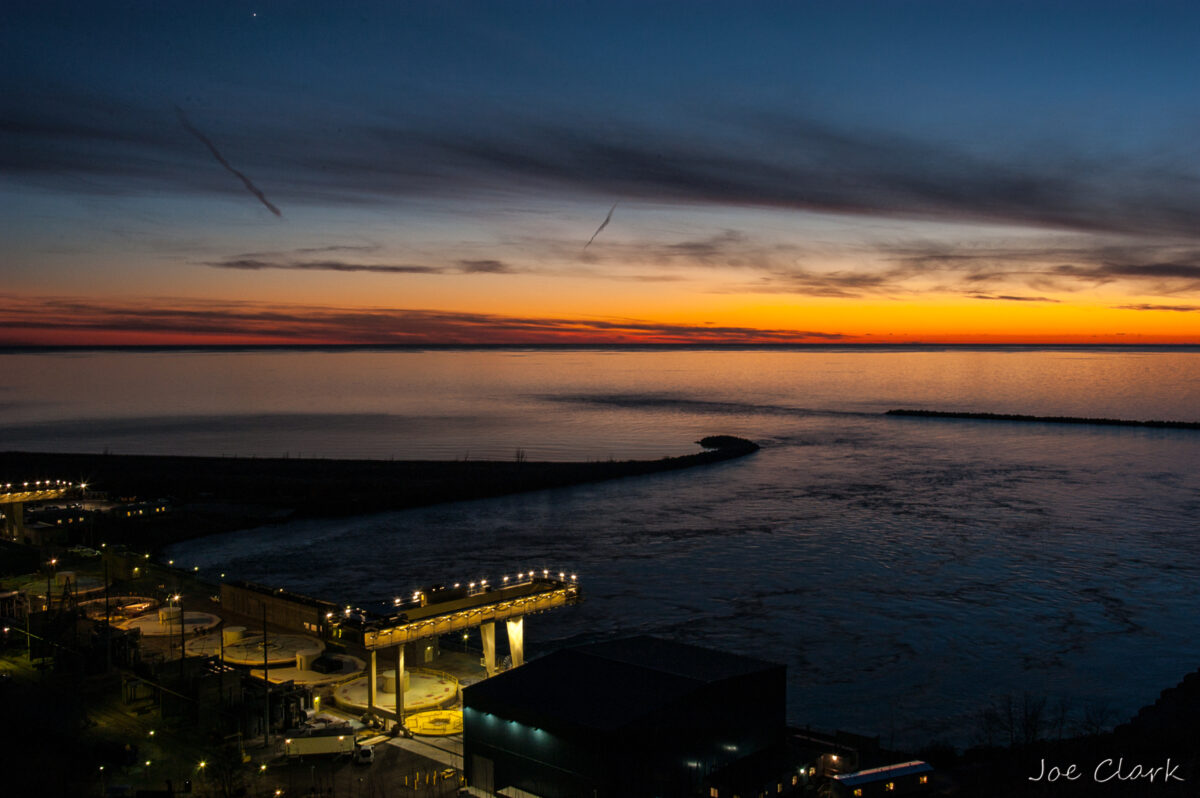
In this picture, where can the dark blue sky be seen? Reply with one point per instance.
(1043, 149)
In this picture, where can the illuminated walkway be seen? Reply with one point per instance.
(15, 495)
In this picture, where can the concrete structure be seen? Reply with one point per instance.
(171, 622)
(14, 497)
(422, 690)
(279, 607)
(410, 633)
(428, 616)
(636, 717)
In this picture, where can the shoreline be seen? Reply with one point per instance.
(224, 494)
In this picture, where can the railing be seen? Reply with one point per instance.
(467, 618)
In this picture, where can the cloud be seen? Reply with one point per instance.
(82, 321)
(1165, 267)
(212, 148)
(1175, 308)
(1015, 298)
(259, 261)
(485, 267)
(758, 159)
(251, 264)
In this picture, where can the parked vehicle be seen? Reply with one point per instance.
(319, 742)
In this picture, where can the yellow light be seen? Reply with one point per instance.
(202, 764)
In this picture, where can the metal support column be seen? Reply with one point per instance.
(372, 678)
(400, 684)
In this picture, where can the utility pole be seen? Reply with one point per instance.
(182, 642)
(266, 685)
(107, 623)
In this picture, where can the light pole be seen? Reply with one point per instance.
(49, 573)
(182, 643)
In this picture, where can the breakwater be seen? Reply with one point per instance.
(1103, 422)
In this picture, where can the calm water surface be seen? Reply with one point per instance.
(908, 571)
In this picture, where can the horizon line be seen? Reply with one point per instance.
(564, 346)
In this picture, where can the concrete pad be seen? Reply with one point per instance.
(427, 690)
(193, 622)
(350, 667)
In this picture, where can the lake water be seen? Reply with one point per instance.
(909, 572)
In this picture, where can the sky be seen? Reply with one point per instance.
(572, 172)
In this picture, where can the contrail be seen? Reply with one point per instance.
(253, 189)
(603, 225)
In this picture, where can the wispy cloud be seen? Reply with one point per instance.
(764, 160)
(251, 264)
(21, 319)
(288, 261)
(485, 267)
(212, 148)
(1174, 308)
(1013, 298)
(603, 225)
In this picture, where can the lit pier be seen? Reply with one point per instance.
(425, 614)
(479, 605)
(15, 495)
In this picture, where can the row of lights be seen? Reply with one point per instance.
(49, 483)
(483, 583)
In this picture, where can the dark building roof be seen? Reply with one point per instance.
(884, 773)
(606, 686)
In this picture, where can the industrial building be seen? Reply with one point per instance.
(635, 717)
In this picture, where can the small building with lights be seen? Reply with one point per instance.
(905, 778)
(635, 717)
